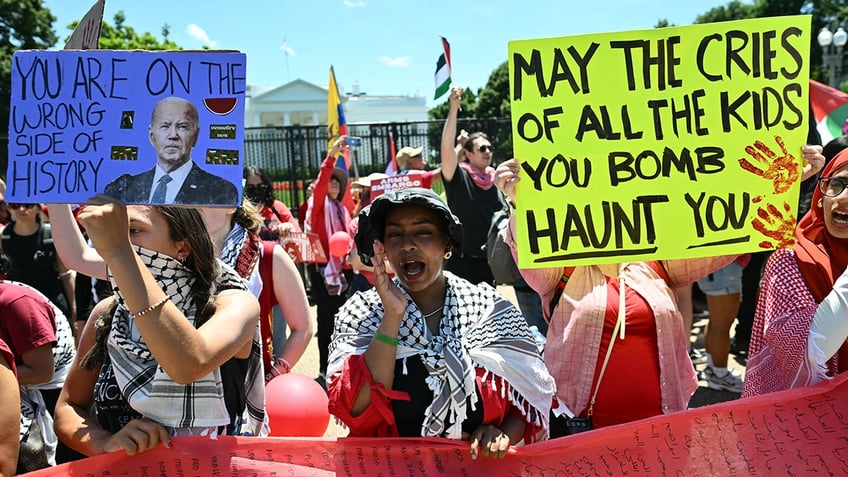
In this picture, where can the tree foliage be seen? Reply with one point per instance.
(24, 25)
(119, 36)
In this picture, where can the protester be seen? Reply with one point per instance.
(278, 221)
(800, 327)
(28, 242)
(329, 281)
(10, 412)
(411, 163)
(587, 312)
(428, 353)
(5, 214)
(40, 337)
(723, 289)
(272, 278)
(469, 188)
(178, 318)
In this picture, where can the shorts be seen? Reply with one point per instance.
(725, 281)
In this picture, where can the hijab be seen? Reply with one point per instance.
(821, 257)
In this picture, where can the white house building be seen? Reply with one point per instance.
(302, 103)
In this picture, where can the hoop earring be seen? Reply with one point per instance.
(820, 202)
(448, 254)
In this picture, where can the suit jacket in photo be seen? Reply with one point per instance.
(199, 188)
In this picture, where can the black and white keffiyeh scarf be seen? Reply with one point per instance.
(479, 328)
(150, 391)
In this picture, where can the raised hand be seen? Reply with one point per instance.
(782, 170)
(394, 302)
(506, 176)
(776, 225)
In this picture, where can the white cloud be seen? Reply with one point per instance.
(200, 34)
(350, 4)
(397, 62)
(287, 49)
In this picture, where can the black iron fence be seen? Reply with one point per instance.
(292, 155)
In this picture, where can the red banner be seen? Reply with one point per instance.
(796, 432)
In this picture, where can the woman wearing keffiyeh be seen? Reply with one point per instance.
(152, 357)
(428, 353)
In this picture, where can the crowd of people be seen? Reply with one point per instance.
(126, 325)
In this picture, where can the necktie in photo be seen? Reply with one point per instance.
(161, 190)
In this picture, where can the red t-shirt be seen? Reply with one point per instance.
(27, 320)
(630, 387)
(8, 356)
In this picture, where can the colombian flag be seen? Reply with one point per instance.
(336, 124)
(830, 108)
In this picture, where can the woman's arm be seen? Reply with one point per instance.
(291, 296)
(73, 251)
(382, 351)
(10, 412)
(450, 156)
(186, 353)
(77, 428)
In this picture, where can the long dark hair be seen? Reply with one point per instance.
(268, 198)
(183, 224)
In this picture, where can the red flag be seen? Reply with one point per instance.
(391, 165)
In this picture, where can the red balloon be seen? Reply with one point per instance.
(296, 406)
(339, 244)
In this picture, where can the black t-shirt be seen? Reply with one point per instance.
(474, 207)
(409, 415)
(33, 261)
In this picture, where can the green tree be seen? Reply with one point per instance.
(24, 25)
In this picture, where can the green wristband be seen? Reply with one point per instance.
(385, 339)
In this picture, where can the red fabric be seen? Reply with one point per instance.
(27, 320)
(635, 392)
(267, 301)
(378, 419)
(821, 257)
(8, 356)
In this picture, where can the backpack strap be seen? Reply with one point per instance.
(563, 280)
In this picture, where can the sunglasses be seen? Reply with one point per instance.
(255, 187)
(21, 206)
(485, 148)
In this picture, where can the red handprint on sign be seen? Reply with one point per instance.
(775, 225)
(783, 171)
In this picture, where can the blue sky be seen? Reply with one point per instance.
(389, 46)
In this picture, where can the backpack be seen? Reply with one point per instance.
(498, 253)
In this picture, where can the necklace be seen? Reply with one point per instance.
(428, 315)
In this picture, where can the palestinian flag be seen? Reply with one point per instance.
(443, 70)
(830, 109)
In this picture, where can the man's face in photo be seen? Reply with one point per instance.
(173, 133)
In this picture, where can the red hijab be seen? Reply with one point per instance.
(821, 257)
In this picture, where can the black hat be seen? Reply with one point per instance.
(373, 218)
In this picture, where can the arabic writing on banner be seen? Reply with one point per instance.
(657, 144)
(79, 119)
(795, 432)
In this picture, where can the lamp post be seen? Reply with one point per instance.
(832, 44)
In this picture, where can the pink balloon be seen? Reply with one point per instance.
(296, 406)
(339, 244)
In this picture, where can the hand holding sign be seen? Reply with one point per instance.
(772, 223)
(506, 176)
(782, 171)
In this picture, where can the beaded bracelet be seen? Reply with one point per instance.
(283, 364)
(385, 339)
(149, 308)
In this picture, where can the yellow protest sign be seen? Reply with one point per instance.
(659, 144)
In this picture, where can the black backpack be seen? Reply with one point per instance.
(498, 253)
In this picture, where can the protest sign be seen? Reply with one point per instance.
(659, 144)
(403, 181)
(81, 124)
(86, 35)
(304, 247)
